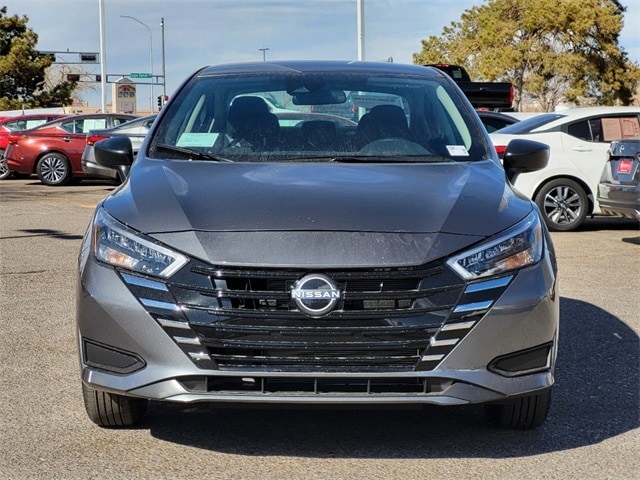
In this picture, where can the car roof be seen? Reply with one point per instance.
(549, 121)
(573, 114)
(83, 116)
(318, 66)
(579, 112)
(53, 116)
(124, 125)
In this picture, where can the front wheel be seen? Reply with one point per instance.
(523, 413)
(4, 168)
(563, 203)
(54, 169)
(111, 410)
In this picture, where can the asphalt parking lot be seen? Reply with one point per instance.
(592, 430)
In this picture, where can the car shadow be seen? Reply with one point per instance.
(609, 223)
(45, 232)
(613, 223)
(596, 397)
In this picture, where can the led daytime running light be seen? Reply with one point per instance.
(117, 245)
(517, 248)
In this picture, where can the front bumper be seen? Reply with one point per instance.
(146, 361)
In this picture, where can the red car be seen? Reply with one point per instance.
(53, 151)
(20, 122)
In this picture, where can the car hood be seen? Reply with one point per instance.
(316, 214)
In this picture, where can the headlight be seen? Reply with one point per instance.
(120, 246)
(515, 248)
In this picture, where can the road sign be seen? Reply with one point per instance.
(141, 75)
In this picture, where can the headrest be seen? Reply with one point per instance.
(391, 114)
(243, 108)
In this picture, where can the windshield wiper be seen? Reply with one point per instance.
(389, 158)
(189, 153)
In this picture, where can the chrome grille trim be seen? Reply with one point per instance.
(144, 282)
(147, 302)
(432, 358)
(472, 307)
(488, 285)
(443, 343)
(173, 324)
(458, 326)
(199, 356)
(187, 340)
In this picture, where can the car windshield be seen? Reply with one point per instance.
(319, 116)
(530, 124)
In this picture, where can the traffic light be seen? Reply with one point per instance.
(159, 102)
(73, 77)
(98, 78)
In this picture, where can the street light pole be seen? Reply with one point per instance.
(360, 26)
(164, 71)
(103, 59)
(264, 53)
(150, 54)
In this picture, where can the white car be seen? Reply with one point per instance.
(566, 190)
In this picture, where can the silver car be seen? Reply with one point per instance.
(619, 187)
(136, 130)
(386, 262)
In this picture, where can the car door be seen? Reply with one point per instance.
(585, 142)
(72, 140)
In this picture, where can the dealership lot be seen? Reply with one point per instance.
(591, 432)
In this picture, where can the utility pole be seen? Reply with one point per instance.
(360, 4)
(150, 54)
(103, 61)
(164, 70)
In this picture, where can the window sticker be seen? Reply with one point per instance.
(94, 124)
(623, 127)
(197, 139)
(457, 150)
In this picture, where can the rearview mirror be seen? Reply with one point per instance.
(319, 97)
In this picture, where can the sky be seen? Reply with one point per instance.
(208, 32)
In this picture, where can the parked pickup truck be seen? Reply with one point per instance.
(493, 95)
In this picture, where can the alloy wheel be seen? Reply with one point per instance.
(564, 204)
(53, 169)
(4, 169)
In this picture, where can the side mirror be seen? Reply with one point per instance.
(522, 156)
(115, 153)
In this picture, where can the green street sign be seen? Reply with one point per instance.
(141, 75)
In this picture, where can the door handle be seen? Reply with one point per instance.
(582, 149)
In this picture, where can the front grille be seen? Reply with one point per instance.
(244, 319)
(237, 291)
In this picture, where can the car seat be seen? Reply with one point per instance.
(252, 122)
(382, 121)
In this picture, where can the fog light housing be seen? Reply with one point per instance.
(523, 362)
(111, 359)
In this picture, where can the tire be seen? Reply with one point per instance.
(563, 203)
(523, 413)
(4, 168)
(111, 410)
(54, 169)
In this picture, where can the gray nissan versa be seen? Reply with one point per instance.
(322, 260)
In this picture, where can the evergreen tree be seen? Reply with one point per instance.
(551, 50)
(23, 69)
